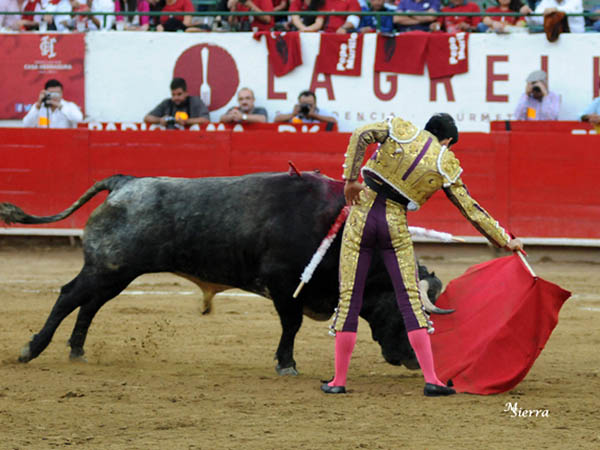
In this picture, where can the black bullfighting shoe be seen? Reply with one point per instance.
(333, 389)
(434, 390)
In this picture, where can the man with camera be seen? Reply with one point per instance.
(306, 111)
(537, 103)
(51, 110)
(181, 110)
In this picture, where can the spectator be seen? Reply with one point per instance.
(416, 23)
(280, 5)
(307, 23)
(51, 110)
(179, 111)
(537, 103)
(456, 24)
(79, 22)
(30, 22)
(368, 24)
(138, 22)
(592, 114)
(156, 6)
(9, 22)
(306, 111)
(341, 24)
(60, 22)
(546, 7)
(175, 23)
(596, 21)
(246, 111)
(248, 23)
(504, 24)
(101, 22)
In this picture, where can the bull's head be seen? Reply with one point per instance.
(430, 287)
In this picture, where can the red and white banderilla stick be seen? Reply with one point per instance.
(331, 234)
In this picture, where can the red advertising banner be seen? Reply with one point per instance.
(28, 60)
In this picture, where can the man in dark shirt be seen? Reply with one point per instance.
(179, 111)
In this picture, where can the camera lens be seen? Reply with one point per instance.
(304, 109)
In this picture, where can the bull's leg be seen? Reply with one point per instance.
(290, 315)
(86, 314)
(86, 288)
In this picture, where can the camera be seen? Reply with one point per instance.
(48, 96)
(170, 122)
(536, 89)
(305, 109)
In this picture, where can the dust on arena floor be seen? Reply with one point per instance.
(160, 375)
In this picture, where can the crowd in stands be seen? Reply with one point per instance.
(182, 20)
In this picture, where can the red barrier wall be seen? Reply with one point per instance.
(536, 183)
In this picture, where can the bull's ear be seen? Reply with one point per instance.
(433, 274)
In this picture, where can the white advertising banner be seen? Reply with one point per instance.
(127, 74)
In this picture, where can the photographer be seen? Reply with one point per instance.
(537, 103)
(51, 110)
(179, 111)
(306, 111)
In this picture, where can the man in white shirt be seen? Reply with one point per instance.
(51, 110)
(576, 24)
(101, 22)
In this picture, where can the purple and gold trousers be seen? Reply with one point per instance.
(377, 223)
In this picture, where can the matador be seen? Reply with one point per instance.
(407, 168)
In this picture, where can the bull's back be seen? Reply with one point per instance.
(229, 230)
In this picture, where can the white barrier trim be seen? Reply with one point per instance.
(68, 232)
(567, 242)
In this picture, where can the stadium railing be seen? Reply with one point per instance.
(376, 14)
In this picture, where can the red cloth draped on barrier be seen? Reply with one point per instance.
(340, 54)
(503, 318)
(447, 54)
(403, 53)
(285, 53)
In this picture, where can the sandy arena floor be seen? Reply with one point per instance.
(160, 376)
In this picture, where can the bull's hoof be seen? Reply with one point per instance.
(77, 358)
(25, 355)
(286, 370)
(411, 364)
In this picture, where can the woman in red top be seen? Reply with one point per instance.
(175, 23)
(502, 24)
(248, 23)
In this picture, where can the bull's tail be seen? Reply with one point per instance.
(10, 213)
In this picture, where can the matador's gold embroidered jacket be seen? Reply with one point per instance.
(413, 162)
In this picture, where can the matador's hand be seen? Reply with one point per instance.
(351, 191)
(515, 245)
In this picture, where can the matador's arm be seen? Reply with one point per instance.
(479, 217)
(359, 141)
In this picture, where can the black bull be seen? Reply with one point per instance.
(256, 232)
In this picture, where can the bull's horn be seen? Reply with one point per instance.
(430, 307)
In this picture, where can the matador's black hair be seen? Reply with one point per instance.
(442, 126)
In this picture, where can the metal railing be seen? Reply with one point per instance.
(376, 14)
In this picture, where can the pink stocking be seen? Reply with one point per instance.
(344, 344)
(421, 344)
